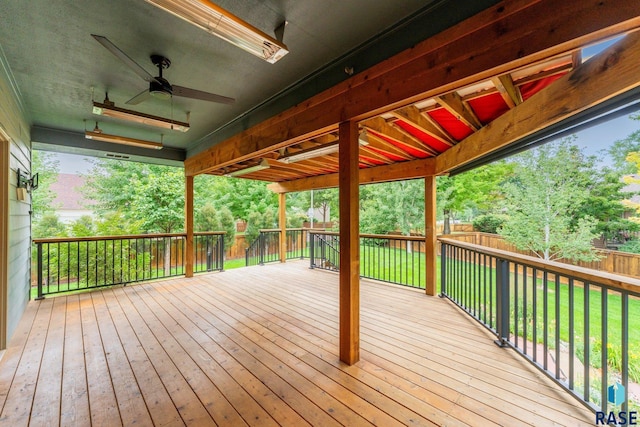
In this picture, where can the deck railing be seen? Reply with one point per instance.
(266, 248)
(572, 323)
(389, 258)
(75, 263)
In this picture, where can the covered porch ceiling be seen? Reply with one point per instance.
(509, 76)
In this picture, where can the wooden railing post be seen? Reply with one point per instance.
(502, 302)
(282, 219)
(443, 269)
(40, 275)
(430, 237)
(188, 225)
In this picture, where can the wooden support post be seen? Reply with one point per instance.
(349, 243)
(282, 219)
(430, 239)
(188, 226)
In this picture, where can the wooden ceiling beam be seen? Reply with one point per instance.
(453, 103)
(380, 125)
(395, 172)
(612, 72)
(513, 34)
(412, 115)
(509, 92)
(386, 147)
(298, 167)
(366, 151)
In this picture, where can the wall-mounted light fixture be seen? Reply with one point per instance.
(217, 21)
(108, 108)
(25, 184)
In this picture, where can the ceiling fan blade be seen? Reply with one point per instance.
(142, 96)
(198, 94)
(124, 58)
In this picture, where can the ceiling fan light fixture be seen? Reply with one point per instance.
(110, 110)
(159, 91)
(217, 21)
(116, 139)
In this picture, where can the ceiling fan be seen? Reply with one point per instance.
(159, 87)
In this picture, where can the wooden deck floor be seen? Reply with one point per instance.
(259, 346)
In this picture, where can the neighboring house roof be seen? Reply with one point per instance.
(67, 193)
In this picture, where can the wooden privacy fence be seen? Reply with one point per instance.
(610, 261)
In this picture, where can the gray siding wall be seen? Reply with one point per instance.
(13, 122)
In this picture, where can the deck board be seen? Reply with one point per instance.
(259, 347)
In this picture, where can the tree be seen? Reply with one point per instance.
(228, 225)
(605, 203)
(254, 224)
(152, 195)
(49, 226)
(206, 219)
(241, 196)
(620, 150)
(326, 201)
(634, 158)
(47, 168)
(543, 202)
(83, 227)
(392, 206)
(478, 188)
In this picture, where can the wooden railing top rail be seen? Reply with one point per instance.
(376, 236)
(273, 230)
(614, 281)
(123, 237)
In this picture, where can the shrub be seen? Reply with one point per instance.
(632, 246)
(489, 223)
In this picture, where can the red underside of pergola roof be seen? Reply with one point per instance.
(421, 130)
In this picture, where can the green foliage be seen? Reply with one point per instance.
(477, 189)
(42, 198)
(392, 206)
(254, 224)
(49, 226)
(296, 219)
(241, 196)
(149, 195)
(270, 218)
(605, 203)
(620, 150)
(115, 224)
(159, 200)
(227, 224)
(207, 219)
(489, 223)
(83, 227)
(326, 201)
(543, 202)
(632, 246)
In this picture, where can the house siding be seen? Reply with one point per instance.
(14, 126)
